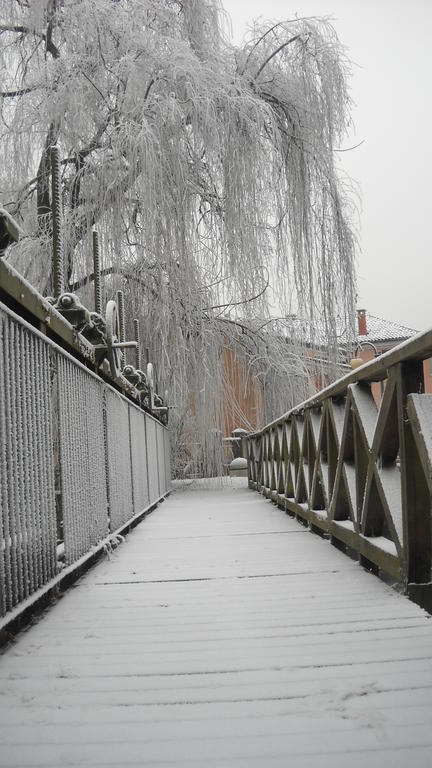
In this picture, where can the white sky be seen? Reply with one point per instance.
(389, 43)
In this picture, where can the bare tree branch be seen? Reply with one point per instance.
(19, 92)
(275, 53)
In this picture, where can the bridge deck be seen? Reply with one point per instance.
(221, 633)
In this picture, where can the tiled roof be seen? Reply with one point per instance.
(385, 330)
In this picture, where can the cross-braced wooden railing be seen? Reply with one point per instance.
(360, 473)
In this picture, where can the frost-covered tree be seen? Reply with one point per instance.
(208, 169)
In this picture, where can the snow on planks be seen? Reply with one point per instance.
(221, 633)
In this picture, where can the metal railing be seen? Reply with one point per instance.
(78, 461)
(361, 474)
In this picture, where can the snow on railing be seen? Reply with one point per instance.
(358, 472)
(78, 461)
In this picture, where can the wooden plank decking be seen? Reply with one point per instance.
(221, 633)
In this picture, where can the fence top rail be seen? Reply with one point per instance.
(418, 347)
(26, 296)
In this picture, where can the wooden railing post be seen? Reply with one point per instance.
(415, 503)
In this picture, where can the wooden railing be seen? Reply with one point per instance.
(361, 474)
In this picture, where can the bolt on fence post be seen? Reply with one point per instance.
(56, 207)
(138, 341)
(97, 274)
(120, 302)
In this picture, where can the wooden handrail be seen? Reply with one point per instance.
(358, 472)
(418, 347)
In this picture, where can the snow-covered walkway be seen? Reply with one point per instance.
(221, 633)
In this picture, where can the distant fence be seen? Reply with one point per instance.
(361, 475)
(78, 461)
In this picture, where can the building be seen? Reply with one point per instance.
(376, 336)
(244, 394)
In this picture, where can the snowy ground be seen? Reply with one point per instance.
(221, 633)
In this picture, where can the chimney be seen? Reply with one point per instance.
(362, 322)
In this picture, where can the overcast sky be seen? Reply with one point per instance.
(388, 42)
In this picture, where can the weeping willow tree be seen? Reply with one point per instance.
(209, 171)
